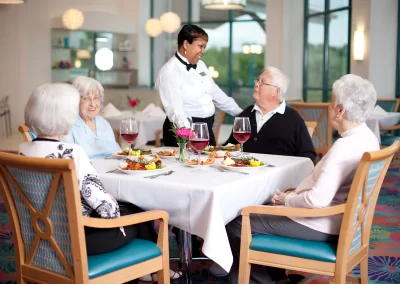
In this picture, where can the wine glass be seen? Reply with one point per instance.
(199, 137)
(129, 130)
(241, 130)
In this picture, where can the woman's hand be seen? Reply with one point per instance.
(279, 197)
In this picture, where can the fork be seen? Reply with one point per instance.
(163, 174)
(225, 171)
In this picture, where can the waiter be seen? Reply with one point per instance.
(187, 89)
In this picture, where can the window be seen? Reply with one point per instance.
(326, 46)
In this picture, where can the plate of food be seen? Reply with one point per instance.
(142, 166)
(232, 148)
(127, 152)
(194, 163)
(165, 154)
(242, 163)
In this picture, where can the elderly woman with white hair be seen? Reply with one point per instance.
(275, 128)
(50, 112)
(92, 132)
(352, 102)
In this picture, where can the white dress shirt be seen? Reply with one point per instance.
(330, 182)
(191, 93)
(263, 118)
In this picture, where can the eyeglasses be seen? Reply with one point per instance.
(259, 80)
(95, 99)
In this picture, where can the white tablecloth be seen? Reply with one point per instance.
(147, 126)
(202, 201)
(374, 121)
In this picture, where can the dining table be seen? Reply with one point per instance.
(375, 121)
(147, 125)
(201, 200)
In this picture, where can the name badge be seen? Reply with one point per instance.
(202, 74)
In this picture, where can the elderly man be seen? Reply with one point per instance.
(275, 128)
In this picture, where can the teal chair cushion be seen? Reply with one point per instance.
(322, 251)
(32, 134)
(388, 140)
(135, 252)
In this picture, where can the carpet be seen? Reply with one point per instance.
(384, 258)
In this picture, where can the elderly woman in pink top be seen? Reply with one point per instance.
(352, 102)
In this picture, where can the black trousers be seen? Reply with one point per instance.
(100, 241)
(169, 138)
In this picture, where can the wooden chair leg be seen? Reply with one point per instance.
(352, 279)
(364, 270)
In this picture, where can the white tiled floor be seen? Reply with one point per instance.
(12, 142)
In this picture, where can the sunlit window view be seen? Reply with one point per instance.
(326, 47)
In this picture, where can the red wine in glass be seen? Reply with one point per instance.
(199, 137)
(129, 130)
(198, 145)
(129, 137)
(241, 130)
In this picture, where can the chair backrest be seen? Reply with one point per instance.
(357, 219)
(318, 112)
(311, 125)
(389, 105)
(27, 134)
(43, 201)
(289, 101)
(218, 119)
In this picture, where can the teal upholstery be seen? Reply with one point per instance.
(35, 186)
(135, 252)
(389, 140)
(322, 251)
(373, 174)
(387, 105)
(32, 134)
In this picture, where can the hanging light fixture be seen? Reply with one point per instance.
(12, 1)
(223, 4)
(153, 27)
(170, 22)
(72, 19)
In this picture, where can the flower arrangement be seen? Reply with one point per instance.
(133, 102)
(182, 136)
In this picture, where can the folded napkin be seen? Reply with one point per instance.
(110, 110)
(379, 111)
(156, 112)
(148, 109)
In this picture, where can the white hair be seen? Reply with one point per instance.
(278, 80)
(52, 109)
(356, 95)
(86, 85)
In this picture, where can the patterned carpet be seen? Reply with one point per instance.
(384, 259)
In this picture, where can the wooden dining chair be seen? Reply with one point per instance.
(389, 105)
(218, 120)
(322, 257)
(318, 112)
(311, 125)
(44, 204)
(118, 137)
(27, 134)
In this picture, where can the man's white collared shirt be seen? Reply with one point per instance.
(261, 118)
(191, 93)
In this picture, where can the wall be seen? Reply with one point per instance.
(285, 41)
(379, 19)
(25, 49)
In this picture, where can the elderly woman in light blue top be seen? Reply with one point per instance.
(92, 132)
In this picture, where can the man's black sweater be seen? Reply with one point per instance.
(283, 134)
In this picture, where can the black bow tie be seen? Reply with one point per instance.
(188, 65)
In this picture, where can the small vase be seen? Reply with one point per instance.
(182, 151)
(134, 111)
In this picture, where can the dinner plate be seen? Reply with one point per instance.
(199, 166)
(165, 157)
(115, 154)
(242, 169)
(143, 173)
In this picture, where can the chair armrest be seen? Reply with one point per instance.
(126, 220)
(295, 212)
